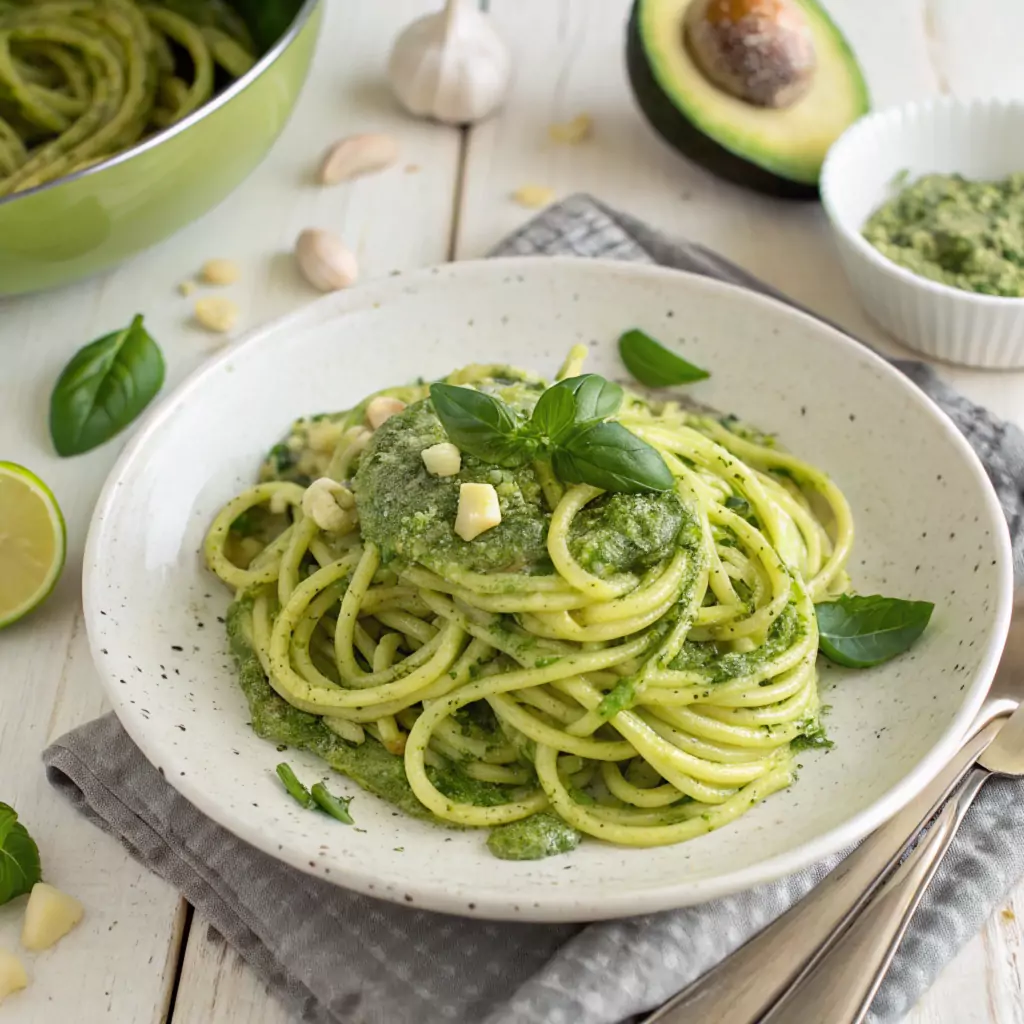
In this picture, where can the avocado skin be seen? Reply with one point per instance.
(686, 138)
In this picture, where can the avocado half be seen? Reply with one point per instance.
(776, 151)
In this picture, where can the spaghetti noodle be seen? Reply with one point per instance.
(83, 80)
(637, 665)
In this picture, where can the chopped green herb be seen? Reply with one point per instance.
(296, 789)
(335, 806)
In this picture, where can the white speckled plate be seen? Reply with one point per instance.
(928, 526)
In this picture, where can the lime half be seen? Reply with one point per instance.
(32, 542)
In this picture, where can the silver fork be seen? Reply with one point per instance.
(843, 983)
(744, 987)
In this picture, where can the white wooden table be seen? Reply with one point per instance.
(141, 955)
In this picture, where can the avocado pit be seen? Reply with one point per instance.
(759, 51)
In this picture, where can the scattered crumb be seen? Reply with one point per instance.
(220, 272)
(1008, 914)
(412, 168)
(186, 288)
(572, 132)
(534, 196)
(216, 314)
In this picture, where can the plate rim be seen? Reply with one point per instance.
(557, 904)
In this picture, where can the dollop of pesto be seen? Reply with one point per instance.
(965, 234)
(629, 532)
(539, 835)
(410, 513)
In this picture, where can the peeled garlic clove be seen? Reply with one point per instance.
(357, 155)
(451, 66)
(324, 260)
(49, 916)
(12, 974)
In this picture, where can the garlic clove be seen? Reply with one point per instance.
(324, 260)
(356, 155)
(451, 66)
(49, 916)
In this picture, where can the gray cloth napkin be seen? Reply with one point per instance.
(340, 958)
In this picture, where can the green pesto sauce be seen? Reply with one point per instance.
(369, 764)
(273, 718)
(629, 532)
(540, 835)
(966, 234)
(410, 513)
(720, 663)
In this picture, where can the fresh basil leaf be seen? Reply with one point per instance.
(572, 402)
(296, 789)
(481, 424)
(554, 413)
(607, 455)
(653, 364)
(104, 387)
(19, 856)
(335, 806)
(596, 398)
(859, 632)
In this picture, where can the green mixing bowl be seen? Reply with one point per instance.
(91, 220)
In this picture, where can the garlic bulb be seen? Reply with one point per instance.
(451, 66)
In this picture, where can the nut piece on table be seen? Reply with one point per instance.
(220, 272)
(49, 916)
(216, 314)
(533, 197)
(324, 260)
(572, 132)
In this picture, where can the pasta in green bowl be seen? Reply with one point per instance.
(122, 121)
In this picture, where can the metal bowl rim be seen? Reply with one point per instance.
(303, 15)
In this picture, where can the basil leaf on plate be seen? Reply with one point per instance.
(104, 387)
(860, 632)
(19, 856)
(480, 424)
(653, 364)
(607, 455)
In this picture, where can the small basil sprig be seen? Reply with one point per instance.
(19, 856)
(653, 364)
(860, 632)
(104, 387)
(568, 426)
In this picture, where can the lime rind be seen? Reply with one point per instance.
(43, 591)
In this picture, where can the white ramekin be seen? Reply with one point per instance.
(979, 139)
